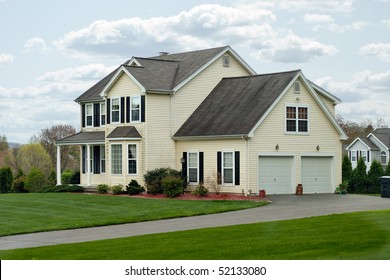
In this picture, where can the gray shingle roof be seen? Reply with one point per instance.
(383, 134)
(159, 72)
(83, 137)
(369, 143)
(235, 105)
(124, 132)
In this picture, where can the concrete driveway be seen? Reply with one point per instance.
(283, 207)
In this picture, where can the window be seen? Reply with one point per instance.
(115, 110)
(132, 159)
(297, 119)
(383, 158)
(116, 159)
(102, 159)
(228, 168)
(297, 87)
(102, 114)
(353, 155)
(364, 155)
(89, 114)
(193, 166)
(135, 108)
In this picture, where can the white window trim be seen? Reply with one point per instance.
(112, 111)
(136, 159)
(197, 167)
(383, 154)
(223, 168)
(353, 155)
(102, 158)
(111, 161)
(131, 109)
(86, 115)
(297, 119)
(103, 105)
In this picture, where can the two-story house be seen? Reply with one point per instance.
(376, 146)
(207, 112)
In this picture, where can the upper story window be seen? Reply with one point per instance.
(89, 115)
(383, 158)
(135, 108)
(102, 114)
(115, 110)
(297, 119)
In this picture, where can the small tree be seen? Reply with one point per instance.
(346, 169)
(36, 180)
(359, 180)
(6, 179)
(387, 170)
(375, 172)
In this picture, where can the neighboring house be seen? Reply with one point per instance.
(207, 112)
(373, 147)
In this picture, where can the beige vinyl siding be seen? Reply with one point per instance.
(271, 132)
(188, 98)
(210, 149)
(160, 146)
(329, 104)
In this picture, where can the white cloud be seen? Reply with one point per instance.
(386, 22)
(6, 58)
(355, 26)
(35, 45)
(341, 6)
(380, 50)
(317, 18)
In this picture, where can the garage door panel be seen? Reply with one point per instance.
(316, 174)
(275, 174)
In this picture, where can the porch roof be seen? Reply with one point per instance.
(124, 132)
(91, 137)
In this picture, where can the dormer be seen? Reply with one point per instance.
(134, 62)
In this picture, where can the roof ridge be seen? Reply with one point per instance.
(262, 75)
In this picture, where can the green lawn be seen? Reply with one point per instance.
(361, 235)
(23, 213)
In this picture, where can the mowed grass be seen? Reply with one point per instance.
(361, 235)
(26, 213)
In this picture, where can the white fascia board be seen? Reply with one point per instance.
(326, 93)
(227, 49)
(115, 78)
(376, 138)
(353, 143)
(72, 143)
(211, 137)
(124, 139)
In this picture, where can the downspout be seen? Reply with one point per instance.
(247, 166)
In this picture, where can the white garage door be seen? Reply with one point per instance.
(316, 174)
(275, 174)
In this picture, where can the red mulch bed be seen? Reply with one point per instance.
(210, 196)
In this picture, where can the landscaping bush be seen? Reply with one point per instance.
(153, 179)
(66, 177)
(18, 185)
(36, 181)
(387, 170)
(6, 179)
(64, 188)
(201, 190)
(134, 188)
(346, 169)
(172, 186)
(75, 178)
(103, 188)
(375, 172)
(117, 189)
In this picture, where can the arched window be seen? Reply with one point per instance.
(383, 158)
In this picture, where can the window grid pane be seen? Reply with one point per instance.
(132, 157)
(115, 110)
(193, 167)
(116, 159)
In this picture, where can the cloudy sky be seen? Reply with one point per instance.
(52, 51)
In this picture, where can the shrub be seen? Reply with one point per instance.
(387, 170)
(36, 181)
(201, 190)
(134, 188)
(172, 186)
(153, 179)
(103, 188)
(342, 188)
(66, 177)
(359, 180)
(212, 182)
(117, 189)
(18, 185)
(6, 179)
(375, 172)
(75, 178)
(64, 188)
(346, 169)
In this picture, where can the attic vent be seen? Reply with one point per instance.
(225, 61)
(297, 87)
(163, 53)
(133, 64)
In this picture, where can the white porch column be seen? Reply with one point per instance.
(58, 165)
(88, 165)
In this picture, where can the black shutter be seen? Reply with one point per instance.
(357, 155)
(96, 114)
(201, 168)
(143, 109)
(350, 155)
(83, 156)
(96, 159)
(368, 156)
(237, 168)
(108, 111)
(122, 109)
(128, 109)
(83, 115)
(184, 166)
(219, 167)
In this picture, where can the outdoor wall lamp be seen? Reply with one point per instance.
(318, 147)
(277, 147)
(182, 160)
